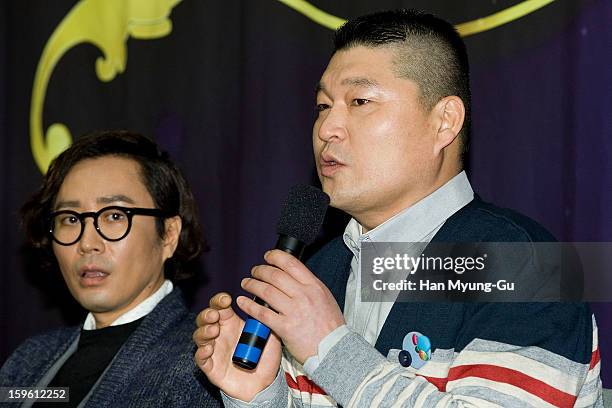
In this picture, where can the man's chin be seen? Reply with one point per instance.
(96, 302)
(331, 189)
(337, 199)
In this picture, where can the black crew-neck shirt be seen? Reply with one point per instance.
(95, 351)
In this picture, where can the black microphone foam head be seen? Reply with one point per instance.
(303, 213)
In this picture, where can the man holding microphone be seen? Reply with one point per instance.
(389, 140)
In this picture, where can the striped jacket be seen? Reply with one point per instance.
(483, 354)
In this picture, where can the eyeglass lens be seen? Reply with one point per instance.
(112, 224)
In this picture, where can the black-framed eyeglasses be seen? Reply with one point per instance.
(112, 223)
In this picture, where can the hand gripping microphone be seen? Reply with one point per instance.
(300, 221)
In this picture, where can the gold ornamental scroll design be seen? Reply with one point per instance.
(468, 28)
(107, 24)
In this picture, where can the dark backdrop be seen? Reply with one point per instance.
(229, 93)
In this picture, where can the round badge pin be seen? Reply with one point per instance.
(416, 350)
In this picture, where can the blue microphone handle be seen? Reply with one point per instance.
(255, 334)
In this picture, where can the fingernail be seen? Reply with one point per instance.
(222, 299)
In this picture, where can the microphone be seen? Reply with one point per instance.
(299, 224)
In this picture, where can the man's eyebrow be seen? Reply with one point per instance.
(115, 198)
(319, 88)
(102, 200)
(361, 82)
(66, 204)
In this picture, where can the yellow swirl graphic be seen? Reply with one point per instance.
(501, 17)
(107, 24)
(315, 14)
(468, 28)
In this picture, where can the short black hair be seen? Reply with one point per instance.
(430, 52)
(162, 178)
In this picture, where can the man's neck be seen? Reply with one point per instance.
(136, 309)
(375, 217)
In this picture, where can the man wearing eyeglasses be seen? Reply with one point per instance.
(119, 219)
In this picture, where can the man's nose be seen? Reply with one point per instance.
(91, 240)
(333, 126)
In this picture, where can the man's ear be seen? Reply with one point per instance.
(451, 114)
(172, 233)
